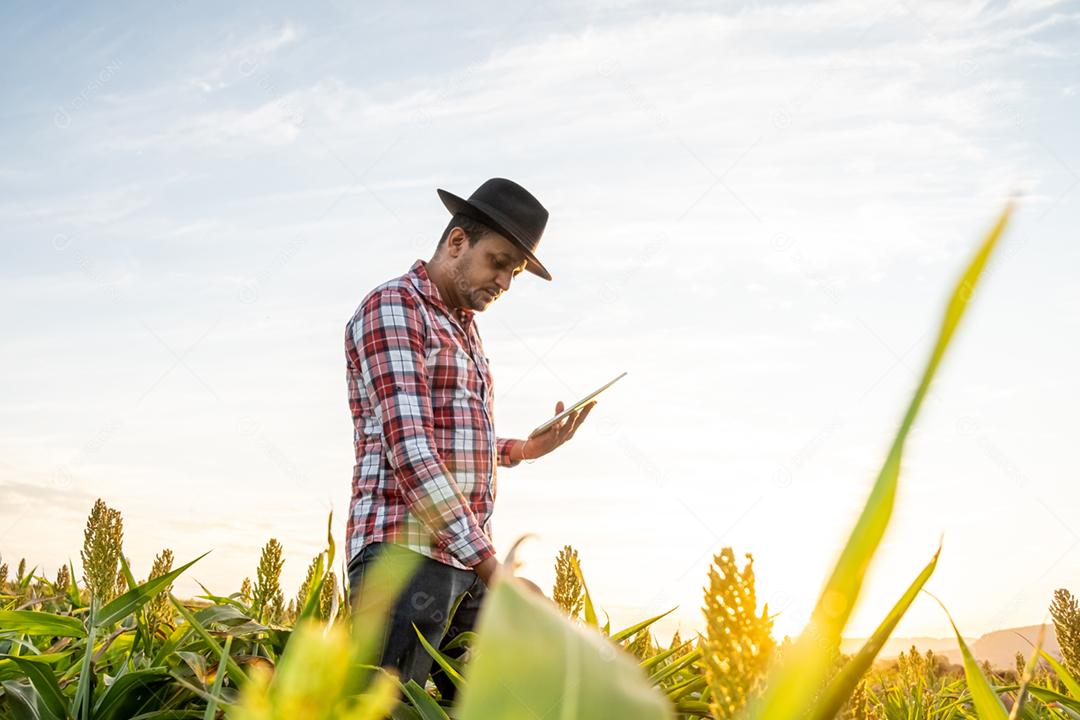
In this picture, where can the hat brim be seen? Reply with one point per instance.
(457, 204)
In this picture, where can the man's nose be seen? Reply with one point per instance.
(503, 281)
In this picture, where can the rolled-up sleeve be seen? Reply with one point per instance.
(389, 337)
(505, 446)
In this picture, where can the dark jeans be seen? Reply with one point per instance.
(426, 602)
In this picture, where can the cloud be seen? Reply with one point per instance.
(273, 123)
(240, 57)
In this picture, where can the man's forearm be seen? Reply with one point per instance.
(517, 451)
(512, 451)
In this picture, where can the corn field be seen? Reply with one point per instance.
(98, 643)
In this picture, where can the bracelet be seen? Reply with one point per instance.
(528, 461)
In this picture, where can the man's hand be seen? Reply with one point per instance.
(490, 567)
(486, 569)
(557, 434)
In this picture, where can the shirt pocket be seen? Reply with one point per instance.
(452, 376)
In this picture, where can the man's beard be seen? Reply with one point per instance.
(482, 298)
(478, 299)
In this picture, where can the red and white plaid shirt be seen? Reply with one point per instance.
(422, 403)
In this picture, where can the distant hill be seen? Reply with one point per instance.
(999, 647)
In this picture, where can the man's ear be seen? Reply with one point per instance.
(456, 242)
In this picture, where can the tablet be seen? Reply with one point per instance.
(583, 401)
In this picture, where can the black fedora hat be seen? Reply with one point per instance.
(508, 209)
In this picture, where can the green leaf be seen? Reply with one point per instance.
(693, 707)
(685, 661)
(25, 582)
(220, 599)
(988, 705)
(34, 622)
(450, 670)
(691, 684)
(466, 638)
(215, 691)
(126, 570)
(331, 547)
(843, 684)
(142, 631)
(648, 665)
(73, 586)
(48, 690)
(531, 661)
(136, 597)
(792, 687)
(424, 704)
(312, 602)
(404, 712)
(1063, 674)
(226, 616)
(9, 670)
(129, 692)
(1048, 696)
(623, 634)
(81, 705)
(590, 612)
(177, 636)
(235, 672)
(22, 701)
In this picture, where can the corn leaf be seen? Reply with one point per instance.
(73, 586)
(988, 705)
(1049, 696)
(215, 691)
(235, 672)
(1020, 704)
(438, 657)
(22, 700)
(590, 612)
(424, 704)
(466, 638)
(136, 597)
(841, 686)
(685, 661)
(34, 622)
(531, 661)
(81, 704)
(623, 634)
(655, 660)
(9, 670)
(792, 688)
(53, 701)
(129, 692)
(1063, 674)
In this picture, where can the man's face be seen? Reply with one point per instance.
(485, 270)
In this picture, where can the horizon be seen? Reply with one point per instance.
(757, 212)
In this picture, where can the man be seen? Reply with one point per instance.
(421, 397)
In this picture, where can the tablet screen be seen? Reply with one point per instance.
(575, 406)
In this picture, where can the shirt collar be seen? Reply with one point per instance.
(419, 277)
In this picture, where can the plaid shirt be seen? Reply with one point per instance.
(421, 397)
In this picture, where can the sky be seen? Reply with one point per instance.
(757, 211)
